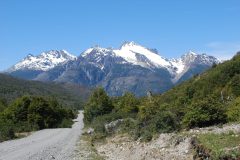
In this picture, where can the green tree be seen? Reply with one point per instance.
(98, 104)
(128, 103)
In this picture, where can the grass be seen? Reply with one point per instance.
(221, 145)
(87, 149)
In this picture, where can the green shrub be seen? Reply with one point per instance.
(6, 131)
(235, 85)
(66, 123)
(146, 136)
(204, 113)
(157, 118)
(165, 122)
(233, 111)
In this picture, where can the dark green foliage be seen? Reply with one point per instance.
(204, 113)
(98, 104)
(128, 103)
(33, 113)
(66, 123)
(6, 130)
(235, 85)
(233, 111)
(156, 118)
(3, 104)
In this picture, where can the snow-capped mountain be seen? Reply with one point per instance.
(135, 54)
(43, 62)
(131, 67)
(139, 55)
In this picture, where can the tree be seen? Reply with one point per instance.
(128, 103)
(98, 104)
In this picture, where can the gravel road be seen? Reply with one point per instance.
(47, 144)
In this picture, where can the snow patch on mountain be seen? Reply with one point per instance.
(136, 54)
(129, 51)
(44, 61)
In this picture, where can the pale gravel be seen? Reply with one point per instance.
(172, 146)
(47, 144)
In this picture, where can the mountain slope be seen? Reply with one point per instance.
(101, 67)
(132, 68)
(68, 94)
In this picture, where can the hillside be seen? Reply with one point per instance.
(68, 94)
(220, 82)
(209, 99)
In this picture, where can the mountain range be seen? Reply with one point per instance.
(130, 68)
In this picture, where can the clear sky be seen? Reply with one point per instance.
(171, 26)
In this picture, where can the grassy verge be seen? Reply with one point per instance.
(221, 146)
(87, 150)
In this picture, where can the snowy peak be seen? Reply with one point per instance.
(189, 60)
(136, 54)
(192, 57)
(96, 51)
(129, 52)
(139, 55)
(129, 44)
(44, 61)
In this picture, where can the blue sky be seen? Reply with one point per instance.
(171, 26)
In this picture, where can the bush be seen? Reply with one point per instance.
(66, 123)
(204, 113)
(235, 85)
(233, 111)
(157, 118)
(165, 122)
(146, 136)
(6, 131)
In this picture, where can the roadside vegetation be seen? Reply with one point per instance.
(218, 146)
(31, 113)
(211, 98)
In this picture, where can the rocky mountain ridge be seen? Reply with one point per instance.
(130, 68)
